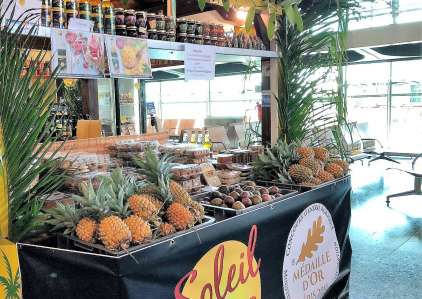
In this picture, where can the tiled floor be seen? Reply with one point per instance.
(387, 242)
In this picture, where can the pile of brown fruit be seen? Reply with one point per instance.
(242, 196)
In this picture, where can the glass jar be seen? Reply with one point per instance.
(213, 30)
(142, 32)
(58, 17)
(214, 41)
(162, 35)
(132, 31)
(71, 5)
(221, 41)
(199, 40)
(182, 26)
(170, 24)
(220, 30)
(152, 34)
(141, 19)
(108, 10)
(57, 4)
(119, 16)
(130, 18)
(97, 17)
(182, 38)
(191, 27)
(191, 38)
(171, 36)
(84, 8)
(121, 30)
(198, 28)
(160, 23)
(206, 29)
(151, 21)
(45, 13)
(207, 40)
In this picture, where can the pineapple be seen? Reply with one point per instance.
(179, 194)
(114, 233)
(143, 206)
(312, 182)
(166, 229)
(305, 152)
(86, 229)
(140, 230)
(325, 176)
(313, 164)
(179, 216)
(321, 153)
(334, 169)
(197, 210)
(343, 164)
(300, 173)
(63, 217)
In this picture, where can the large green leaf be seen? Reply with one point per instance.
(250, 17)
(26, 103)
(201, 4)
(271, 25)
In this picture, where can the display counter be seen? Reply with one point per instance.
(294, 248)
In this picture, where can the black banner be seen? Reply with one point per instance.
(296, 248)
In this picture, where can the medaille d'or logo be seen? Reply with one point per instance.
(312, 257)
(227, 271)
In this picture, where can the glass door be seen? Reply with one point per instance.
(128, 101)
(106, 107)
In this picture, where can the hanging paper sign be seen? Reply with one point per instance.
(128, 57)
(77, 24)
(199, 62)
(79, 54)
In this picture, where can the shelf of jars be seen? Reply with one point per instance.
(159, 49)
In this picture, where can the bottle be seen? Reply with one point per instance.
(185, 137)
(71, 10)
(97, 15)
(200, 138)
(193, 137)
(207, 141)
(108, 11)
(45, 13)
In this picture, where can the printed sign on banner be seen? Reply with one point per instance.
(312, 257)
(199, 62)
(79, 54)
(128, 57)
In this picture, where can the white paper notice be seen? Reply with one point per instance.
(76, 24)
(199, 62)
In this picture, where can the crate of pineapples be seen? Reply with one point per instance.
(303, 166)
(121, 214)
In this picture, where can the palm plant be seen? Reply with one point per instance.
(25, 107)
(10, 283)
(309, 60)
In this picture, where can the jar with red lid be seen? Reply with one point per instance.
(220, 30)
(206, 29)
(213, 30)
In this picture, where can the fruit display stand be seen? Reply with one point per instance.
(294, 248)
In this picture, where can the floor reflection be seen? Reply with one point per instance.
(387, 242)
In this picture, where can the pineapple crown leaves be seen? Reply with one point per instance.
(63, 217)
(95, 203)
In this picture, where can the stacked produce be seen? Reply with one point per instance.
(122, 211)
(127, 150)
(296, 164)
(229, 177)
(186, 153)
(242, 196)
(188, 176)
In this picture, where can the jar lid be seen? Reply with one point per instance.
(160, 16)
(151, 14)
(130, 11)
(119, 9)
(182, 34)
(152, 30)
(161, 32)
(140, 12)
(181, 20)
(191, 21)
(214, 38)
(199, 36)
(191, 35)
(120, 26)
(171, 33)
(207, 37)
(198, 22)
(132, 28)
(71, 11)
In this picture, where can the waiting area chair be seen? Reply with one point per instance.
(417, 189)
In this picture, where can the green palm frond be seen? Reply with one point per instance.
(25, 108)
(309, 59)
(11, 284)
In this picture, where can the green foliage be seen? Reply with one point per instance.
(11, 283)
(307, 111)
(25, 106)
